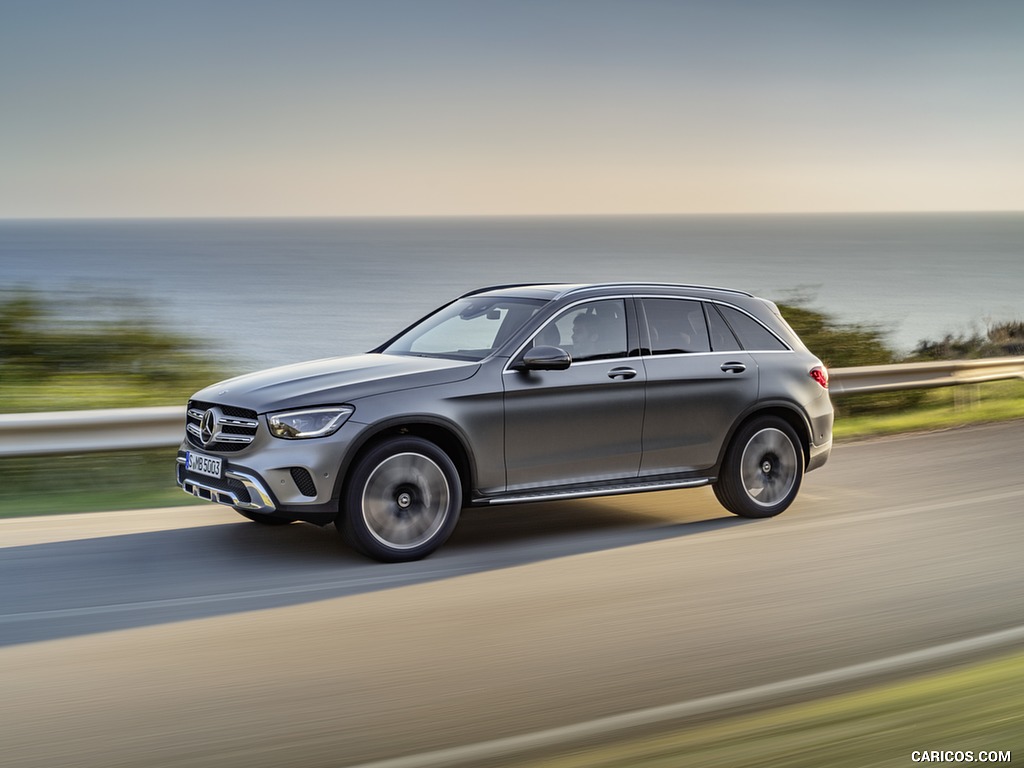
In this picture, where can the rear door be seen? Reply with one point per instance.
(699, 381)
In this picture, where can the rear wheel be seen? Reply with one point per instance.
(763, 468)
(402, 501)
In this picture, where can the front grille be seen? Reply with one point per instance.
(229, 429)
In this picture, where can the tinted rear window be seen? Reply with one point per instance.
(676, 326)
(722, 338)
(752, 335)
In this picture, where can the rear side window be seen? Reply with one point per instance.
(751, 334)
(676, 326)
(722, 338)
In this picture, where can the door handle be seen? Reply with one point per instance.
(621, 373)
(734, 367)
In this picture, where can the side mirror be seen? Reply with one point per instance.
(544, 359)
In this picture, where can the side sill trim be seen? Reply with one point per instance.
(583, 493)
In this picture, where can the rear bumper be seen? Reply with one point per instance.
(818, 454)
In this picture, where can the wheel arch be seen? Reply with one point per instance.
(783, 410)
(441, 433)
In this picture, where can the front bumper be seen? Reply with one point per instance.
(298, 479)
(237, 489)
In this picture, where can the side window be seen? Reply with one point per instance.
(722, 339)
(592, 331)
(752, 335)
(676, 326)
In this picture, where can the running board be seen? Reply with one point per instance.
(590, 492)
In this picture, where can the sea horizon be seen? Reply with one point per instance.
(270, 290)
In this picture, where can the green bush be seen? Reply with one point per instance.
(57, 354)
(1001, 339)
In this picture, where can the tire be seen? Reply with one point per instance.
(763, 468)
(264, 519)
(402, 501)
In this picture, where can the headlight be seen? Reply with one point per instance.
(312, 422)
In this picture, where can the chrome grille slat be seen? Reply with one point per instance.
(250, 423)
(229, 438)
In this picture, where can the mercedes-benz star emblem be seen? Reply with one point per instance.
(209, 427)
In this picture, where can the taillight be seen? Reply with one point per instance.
(820, 374)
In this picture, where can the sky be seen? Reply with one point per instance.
(508, 107)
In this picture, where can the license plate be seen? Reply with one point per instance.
(210, 466)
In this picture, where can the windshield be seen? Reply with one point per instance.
(467, 329)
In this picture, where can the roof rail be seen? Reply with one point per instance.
(571, 288)
(501, 287)
(660, 285)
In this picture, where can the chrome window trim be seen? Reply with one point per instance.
(712, 352)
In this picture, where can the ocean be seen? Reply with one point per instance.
(263, 292)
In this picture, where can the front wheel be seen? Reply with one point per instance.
(762, 470)
(402, 501)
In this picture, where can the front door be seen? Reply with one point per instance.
(584, 424)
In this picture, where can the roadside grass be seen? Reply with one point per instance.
(939, 409)
(94, 482)
(973, 708)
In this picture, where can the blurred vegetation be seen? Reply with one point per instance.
(62, 354)
(1000, 340)
(68, 353)
(839, 345)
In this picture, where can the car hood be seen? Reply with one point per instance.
(333, 381)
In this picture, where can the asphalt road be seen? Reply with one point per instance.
(191, 637)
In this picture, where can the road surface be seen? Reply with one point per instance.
(191, 637)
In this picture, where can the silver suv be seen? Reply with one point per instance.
(520, 393)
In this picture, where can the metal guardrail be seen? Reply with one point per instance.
(944, 373)
(36, 434)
